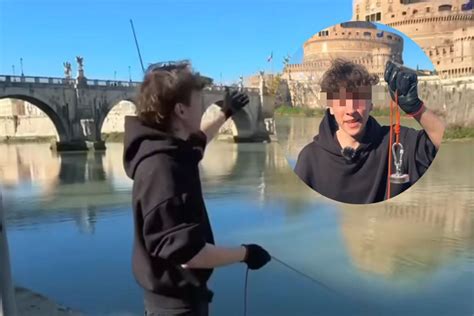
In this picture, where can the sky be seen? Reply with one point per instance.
(224, 39)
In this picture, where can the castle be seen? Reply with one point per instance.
(359, 41)
(444, 29)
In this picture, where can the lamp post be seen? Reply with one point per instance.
(7, 294)
(129, 74)
(21, 66)
(13, 69)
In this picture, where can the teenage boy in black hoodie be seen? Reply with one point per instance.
(347, 161)
(174, 251)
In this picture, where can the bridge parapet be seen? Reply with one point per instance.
(65, 81)
(217, 88)
(9, 79)
(78, 108)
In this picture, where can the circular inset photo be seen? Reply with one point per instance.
(370, 119)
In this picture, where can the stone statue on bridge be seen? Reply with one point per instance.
(241, 83)
(67, 70)
(81, 79)
(80, 63)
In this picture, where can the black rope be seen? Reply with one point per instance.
(306, 276)
(245, 291)
(294, 270)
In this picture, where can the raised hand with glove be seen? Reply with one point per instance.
(233, 102)
(404, 81)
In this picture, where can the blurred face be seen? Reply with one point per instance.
(351, 110)
(190, 115)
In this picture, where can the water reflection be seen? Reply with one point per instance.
(415, 233)
(81, 167)
(409, 241)
(252, 195)
(28, 164)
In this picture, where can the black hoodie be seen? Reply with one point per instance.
(361, 178)
(170, 218)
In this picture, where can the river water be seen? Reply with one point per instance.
(70, 232)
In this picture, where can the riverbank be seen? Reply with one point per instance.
(31, 303)
(27, 139)
(298, 111)
(452, 133)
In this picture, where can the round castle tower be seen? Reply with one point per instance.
(443, 28)
(358, 41)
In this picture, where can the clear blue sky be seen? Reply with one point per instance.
(229, 37)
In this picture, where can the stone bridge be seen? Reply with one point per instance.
(78, 109)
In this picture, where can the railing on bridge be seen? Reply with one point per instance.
(92, 82)
(66, 81)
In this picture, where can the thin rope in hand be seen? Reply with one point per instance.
(296, 271)
(306, 276)
(245, 291)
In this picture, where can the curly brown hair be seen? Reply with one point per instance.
(347, 74)
(161, 90)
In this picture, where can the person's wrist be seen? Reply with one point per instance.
(419, 110)
(243, 253)
(227, 112)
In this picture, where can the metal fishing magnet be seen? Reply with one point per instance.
(398, 177)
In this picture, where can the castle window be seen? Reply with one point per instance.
(367, 34)
(393, 15)
(389, 37)
(357, 17)
(367, 17)
(379, 16)
(445, 7)
(428, 9)
(404, 13)
(415, 11)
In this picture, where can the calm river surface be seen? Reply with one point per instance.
(70, 232)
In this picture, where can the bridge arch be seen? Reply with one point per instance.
(115, 123)
(58, 123)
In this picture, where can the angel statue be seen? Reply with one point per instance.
(67, 69)
(80, 62)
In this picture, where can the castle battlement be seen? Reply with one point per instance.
(442, 28)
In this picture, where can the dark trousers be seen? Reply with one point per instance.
(197, 309)
(159, 305)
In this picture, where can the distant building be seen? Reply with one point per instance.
(16, 107)
(358, 41)
(444, 29)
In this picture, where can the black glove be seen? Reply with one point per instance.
(405, 81)
(256, 257)
(233, 102)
